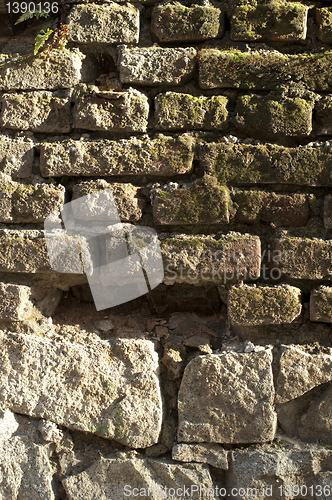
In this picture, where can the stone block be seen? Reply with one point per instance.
(261, 115)
(232, 68)
(175, 111)
(156, 65)
(62, 70)
(202, 259)
(163, 155)
(263, 305)
(227, 399)
(267, 163)
(328, 211)
(109, 389)
(112, 111)
(199, 202)
(314, 424)
(47, 112)
(16, 156)
(174, 22)
(15, 302)
(277, 209)
(321, 304)
(212, 454)
(323, 116)
(109, 23)
(286, 22)
(324, 22)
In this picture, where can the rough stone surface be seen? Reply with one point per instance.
(108, 23)
(47, 112)
(321, 304)
(114, 111)
(212, 454)
(156, 65)
(107, 478)
(16, 156)
(109, 389)
(15, 302)
(62, 70)
(328, 211)
(174, 22)
(175, 111)
(324, 21)
(263, 71)
(227, 399)
(315, 423)
(323, 116)
(300, 372)
(159, 156)
(200, 202)
(200, 259)
(286, 22)
(267, 116)
(263, 305)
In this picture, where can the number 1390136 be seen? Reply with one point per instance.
(23, 7)
(304, 491)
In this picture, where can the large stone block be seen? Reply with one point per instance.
(324, 21)
(61, 70)
(16, 156)
(174, 22)
(212, 454)
(47, 112)
(156, 65)
(109, 389)
(263, 305)
(227, 399)
(321, 304)
(323, 115)
(286, 22)
(112, 111)
(200, 202)
(163, 155)
(175, 111)
(260, 115)
(267, 163)
(263, 71)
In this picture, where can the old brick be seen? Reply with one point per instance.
(159, 156)
(108, 23)
(277, 209)
(23, 251)
(156, 65)
(324, 22)
(47, 112)
(286, 22)
(115, 111)
(328, 211)
(263, 305)
(324, 116)
(200, 202)
(260, 115)
(16, 156)
(263, 71)
(321, 304)
(174, 22)
(175, 111)
(267, 163)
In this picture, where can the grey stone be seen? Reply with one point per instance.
(162, 155)
(212, 454)
(227, 399)
(108, 23)
(315, 424)
(47, 112)
(156, 65)
(15, 302)
(126, 111)
(321, 304)
(109, 389)
(16, 156)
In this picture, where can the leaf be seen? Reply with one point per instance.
(24, 17)
(41, 38)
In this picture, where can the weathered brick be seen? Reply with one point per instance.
(115, 111)
(160, 156)
(285, 22)
(200, 202)
(302, 258)
(324, 116)
(61, 70)
(174, 22)
(23, 251)
(156, 65)
(28, 202)
(328, 211)
(16, 156)
(47, 112)
(321, 304)
(263, 71)
(277, 209)
(175, 111)
(108, 23)
(267, 163)
(263, 305)
(324, 22)
(266, 116)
